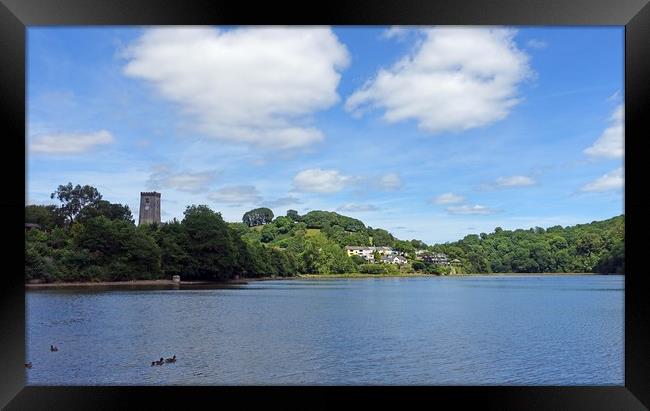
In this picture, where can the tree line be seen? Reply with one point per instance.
(89, 239)
(595, 247)
(86, 238)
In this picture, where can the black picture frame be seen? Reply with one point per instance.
(17, 15)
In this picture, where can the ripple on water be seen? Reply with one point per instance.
(564, 330)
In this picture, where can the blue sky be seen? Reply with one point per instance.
(430, 132)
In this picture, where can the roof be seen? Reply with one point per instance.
(358, 247)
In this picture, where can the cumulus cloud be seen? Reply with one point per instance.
(316, 180)
(448, 198)
(455, 79)
(236, 195)
(183, 181)
(614, 180)
(357, 207)
(69, 143)
(467, 209)
(254, 85)
(610, 143)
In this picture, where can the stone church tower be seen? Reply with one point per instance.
(149, 208)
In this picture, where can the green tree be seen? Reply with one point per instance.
(208, 244)
(46, 216)
(107, 209)
(258, 216)
(75, 198)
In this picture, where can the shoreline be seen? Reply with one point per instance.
(244, 281)
(133, 283)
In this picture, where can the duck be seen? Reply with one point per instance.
(161, 361)
(53, 348)
(172, 359)
(28, 365)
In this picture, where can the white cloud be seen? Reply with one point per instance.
(514, 181)
(317, 180)
(448, 198)
(352, 208)
(455, 79)
(69, 143)
(395, 32)
(252, 85)
(614, 180)
(536, 44)
(236, 195)
(184, 181)
(508, 182)
(390, 181)
(610, 143)
(467, 209)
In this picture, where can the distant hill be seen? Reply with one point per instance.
(594, 247)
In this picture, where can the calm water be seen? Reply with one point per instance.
(504, 330)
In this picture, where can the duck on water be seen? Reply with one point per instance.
(164, 360)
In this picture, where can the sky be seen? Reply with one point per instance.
(432, 133)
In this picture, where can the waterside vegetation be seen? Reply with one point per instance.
(87, 238)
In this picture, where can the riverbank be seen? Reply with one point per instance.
(133, 283)
(245, 281)
(402, 275)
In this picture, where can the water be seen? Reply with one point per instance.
(483, 330)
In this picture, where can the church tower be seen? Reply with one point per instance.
(149, 208)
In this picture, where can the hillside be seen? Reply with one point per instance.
(594, 247)
(99, 241)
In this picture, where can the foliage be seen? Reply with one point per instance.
(595, 247)
(90, 239)
(258, 216)
(75, 198)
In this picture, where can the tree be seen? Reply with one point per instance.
(258, 216)
(293, 215)
(209, 244)
(47, 216)
(109, 210)
(75, 198)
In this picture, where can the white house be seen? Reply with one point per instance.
(368, 252)
(394, 259)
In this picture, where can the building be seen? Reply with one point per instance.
(394, 259)
(368, 252)
(149, 208)
(436, 258)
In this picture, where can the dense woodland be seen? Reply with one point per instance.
(86, 238)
